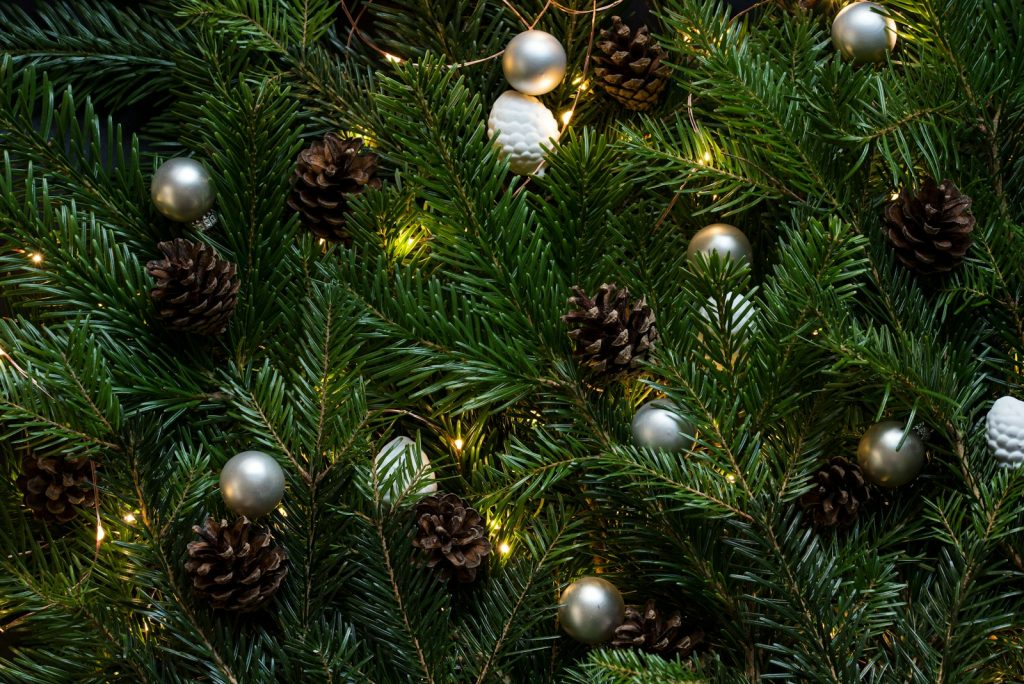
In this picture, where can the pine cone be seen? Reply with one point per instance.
(839, 492)
(629, 66)
(237, 568)
(646, 630)
(55, 488)
(452, 536)
(326, 174)
(196, 290)
(613, 333)
(931, 229)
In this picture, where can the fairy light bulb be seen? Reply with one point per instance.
(566, 116)
(459, 443)
(129, 517)
(504, 548)
(100, 532)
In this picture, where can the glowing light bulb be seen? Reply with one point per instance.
(391, 58)
(129, 518)
(100, 532)
(566, 116)
(504, 548)
(284, 513)
(730, 478)
(894, 196)
(706, 157)
(36, 258)
(459, 443)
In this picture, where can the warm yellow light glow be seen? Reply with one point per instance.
(36, 258)
(730, 478)
(284, 513)
(322, 241)
(411, 241)
(894, 196)
(100, 532)
(129, 518)
(459, 443)
(504, 548)
(391, 58)
(566, 116)
(707, 157)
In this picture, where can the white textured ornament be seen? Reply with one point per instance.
(397, 462)
(523, 124)
(1005, 427)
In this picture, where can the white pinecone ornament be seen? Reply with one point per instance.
(524, 124)
(1005, 426)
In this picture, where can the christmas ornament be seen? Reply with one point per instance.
(327, 175)
(727, 241)
(452, 537)
(237, 567)
(742, 311)
(658, 425)
(397, 462)
(523, 125)
(930, 230)
(629, 66)
(54, 488)
(612, 332)
(252, 483)
(882, 462)
(647, 629)
(534, 62)
(863, 32)
(1005, 428)
(196, 290)
(590, 609)
(182, 189)
(839, 491)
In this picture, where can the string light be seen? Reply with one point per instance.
(707, 157)
(458, 443)
(391, 58)
(730, 478)
(36, 258)
(129, 517)
(894, 196)
(566, 117)
(284, 513)
(100, 532)
(504, 548)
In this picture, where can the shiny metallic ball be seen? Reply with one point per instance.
(658, 425)
(182, 189)
(728, 241)
(880, 460)
(534, 62)
(590, 609)
(399, 463)
(252, 483)
(863, 32)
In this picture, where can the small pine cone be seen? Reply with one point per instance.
(930, 229)
(196, 290)
(452, 536)
(238, 567)
(646, 630)
(54, 488)
(839, 492)
(613, 333)
(327, 173)
(630, 67)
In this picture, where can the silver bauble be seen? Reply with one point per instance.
(658, 425)
(863, 32)
(728, 241)
(399, 462)
(590, 609)
(524, 127)
(534, 62)
(882, 462)
(182, 189)
(1004, 428)
(741, 308)
(252, 483)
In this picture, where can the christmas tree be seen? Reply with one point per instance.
(355, 341)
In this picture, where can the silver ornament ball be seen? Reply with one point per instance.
(534, 62)
(882, 462)
(726, 240)
(590, 609)
(863, 32)
(658, 425)
(182, 189)
(252, 483)
(1004, 427)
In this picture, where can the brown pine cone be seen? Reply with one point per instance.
(54, 488)
(237, 568)
(613, 333)
(839, 492)
(647, 630)
(196, 290)
(452, 536)
(327, 174)
(630, 67)
(930, 230)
